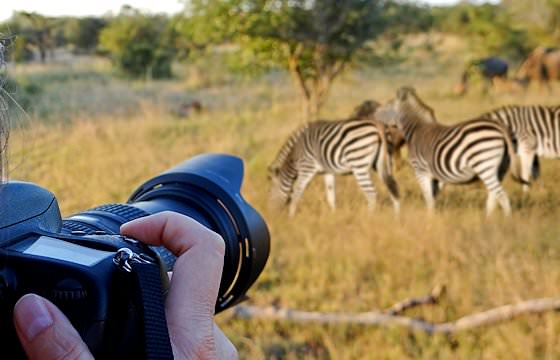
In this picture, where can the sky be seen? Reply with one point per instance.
(100, 7)
(84, 8)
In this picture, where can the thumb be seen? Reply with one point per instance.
(45, 332)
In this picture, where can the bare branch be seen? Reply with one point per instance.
(295, 69)
(486, 318)
(430, 299)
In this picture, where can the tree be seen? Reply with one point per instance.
(133, 39)
(315, 40)
(83, 33)
(33, 32)
(40, 32)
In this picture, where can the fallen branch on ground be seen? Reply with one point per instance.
(430, 299)
(486, 318)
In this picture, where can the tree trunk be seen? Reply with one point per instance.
(299, 80)
(312, 108)
(314, 90)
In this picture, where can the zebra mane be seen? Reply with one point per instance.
(412, 105)
(286, 149)
(365, 110)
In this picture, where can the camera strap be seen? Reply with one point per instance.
(149, 299)
(157, 345)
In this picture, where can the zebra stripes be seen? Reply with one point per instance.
(332, 148)
(537, 131)
(456, 154)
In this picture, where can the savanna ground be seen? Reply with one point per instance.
(93, 139)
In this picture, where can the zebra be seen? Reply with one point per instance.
(332, 148)
(536, 129)
(479, 149)
(395, 138)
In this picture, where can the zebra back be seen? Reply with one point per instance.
(533, 126)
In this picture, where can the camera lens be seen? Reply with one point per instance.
(207, 189)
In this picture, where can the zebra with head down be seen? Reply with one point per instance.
(332, 148)
(473, 150)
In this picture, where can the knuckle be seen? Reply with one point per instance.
(216, 242)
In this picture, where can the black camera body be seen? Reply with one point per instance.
(83, 266)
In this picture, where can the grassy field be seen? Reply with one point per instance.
(92, 150)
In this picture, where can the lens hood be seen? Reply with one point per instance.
(207, 187)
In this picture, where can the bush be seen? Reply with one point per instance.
(133, 40)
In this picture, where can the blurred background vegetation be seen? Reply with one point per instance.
(313, 41)
(111, 103)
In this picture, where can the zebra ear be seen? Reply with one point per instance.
(403, 92)
(273, 170)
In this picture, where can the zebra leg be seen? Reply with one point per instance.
(300, 184)
(490, 203)
(426, 184)
(495, 192)
(527, 152)
(364, 182)
(329, 187)
(526, 158)
(504, 201)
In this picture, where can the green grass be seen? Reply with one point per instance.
(348, 260)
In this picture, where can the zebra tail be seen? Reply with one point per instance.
(515, 164)
(384, 163)
(535, 168)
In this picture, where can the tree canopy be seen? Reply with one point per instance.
(314, 40)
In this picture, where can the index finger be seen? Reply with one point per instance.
(178, 233)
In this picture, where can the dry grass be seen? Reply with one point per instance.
(345, 260)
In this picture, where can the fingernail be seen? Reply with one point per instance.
(32, 316)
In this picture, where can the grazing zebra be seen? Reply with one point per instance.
(454, 154)
(537, 131)
(332, 148)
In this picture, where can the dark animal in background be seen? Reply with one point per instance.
(190, 108)
(395, 137)
(491, 69)
(542, 65)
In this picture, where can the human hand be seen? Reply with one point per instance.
(46, 333)
(194, 285)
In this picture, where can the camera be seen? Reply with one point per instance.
(84, 266)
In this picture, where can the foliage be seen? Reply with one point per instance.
(133, 40)
(83, 33)
(488, 28)
(405, 18)
(34, 33)
(541, 18)
(314, 40)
